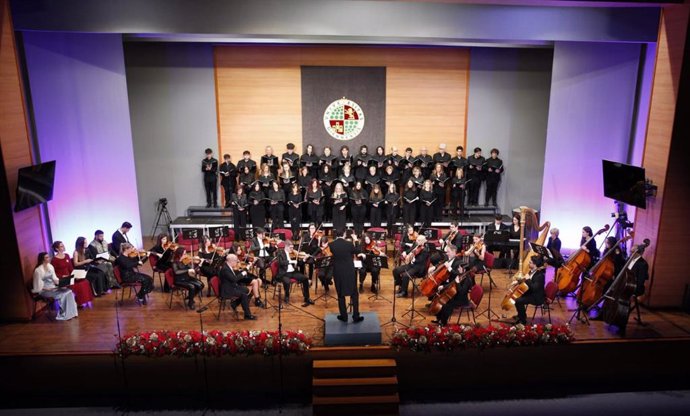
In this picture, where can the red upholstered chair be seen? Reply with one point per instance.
(550, 292)
(153, 260)
(285, 231)
(215, 286)
(381, 244)
(476, 295)
(132, 286)
(182, 291)
(274, 266)
(488, 266)
(188, 245)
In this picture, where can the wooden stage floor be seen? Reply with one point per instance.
(96, 328)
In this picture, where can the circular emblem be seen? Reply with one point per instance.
(343, 119)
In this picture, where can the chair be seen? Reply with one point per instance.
(124, 285)
(550, 292)
(488, 266)
(153, 260)
(227, 242)
(48, 304)
(476, 295)
(274, 274)
(170, 279)
(215, 286)
(381, 244)
(285, 231)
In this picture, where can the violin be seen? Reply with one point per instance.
(327, 251)
(187, 260)
(170, 246)
(415, 252)
(270, 241)
(371, 248)
(138, 254)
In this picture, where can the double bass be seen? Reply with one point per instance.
(599, 277)
(446, 294)
(568, 276)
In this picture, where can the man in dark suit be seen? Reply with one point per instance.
(262, 252)
(535, 293)
(209, 167)
(230, 286)
(228, 178)
(456, 276)
(119, 237)
(345, 277)
(415, 268)
(287, 271)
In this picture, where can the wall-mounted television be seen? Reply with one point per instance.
(35, 185)
(624, 183)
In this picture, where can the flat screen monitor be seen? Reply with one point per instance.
(35, 185)
(624, 183)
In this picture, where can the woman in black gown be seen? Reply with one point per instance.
(239, 204)
(339, 198)
(392, 211)
(315, 199)
(375, 206)
(426, 203)
(410, 202)
(359, 198)
(276, 202)
(294, 202)
(257, 208)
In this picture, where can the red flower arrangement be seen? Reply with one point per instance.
(212, 343)
(452, 337)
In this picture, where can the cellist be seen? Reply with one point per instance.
(535, 294)
(464, 285)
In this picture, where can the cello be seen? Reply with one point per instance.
(599, 277)
(517, 290)
(568, 275)
(446, 294)
(616, 308)
(428, 285)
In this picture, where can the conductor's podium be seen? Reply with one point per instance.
(367, 332)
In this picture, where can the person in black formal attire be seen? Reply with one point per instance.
(310, 160)
(416, 267)
(345, 158)
(130, 274)
(497, 225)
(535, 293)
(426, 203)
(292, 158)
(120, 237)
(99, 246)
(553, 244)
(310, 246)
(425, 161)
(459, 161)
(368, 248)
(230, 286)
(476, 252)
(390, 177)
(315, 200)
(475, 175)
(339, 203)
(439, 178)
(494, 169)
(277, 205)
(270, 160)
(443, 158)
(248, 162)
(393, 159)
(263, 251)
(361, 163)
(375, 206)
(408, 239)
(345, 277)
(457, 193)
(346, 177)
(186, 277)
(359, 198)
(452, 237)
(209, 166)
(410, 201)
(164, 254)
(257, 208)
(372, 178)
(228, 178)
(406, 164)
(246, 178)
(286, 178)
(82, 259)
(392, 200)
(417, 177)
(589, 244)
(327, 177)
(456, 276)
(294, 203)
(239, 203)
(287, 271)
(327, 158)
(514, 229)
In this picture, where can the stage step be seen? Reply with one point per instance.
(202, 211)
(357, 386)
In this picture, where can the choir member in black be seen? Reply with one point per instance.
(344, 158)
(294, 202)
(591, 245)
(553, 244)
(81, 259)
(265, 178)
(315, 200)
(310, 160)
(361, 163)
(390, 177)
(291, 157)
(476, 252)
(345, 277)
(324, 274)
(230, 286)
(457, 193)
(417, 177)
(406, 164)
(339, 199)
(410, 200)
(358, 199)
(393, 159)
(257, 208)
(439, 178)
(130, 274)
(286, 177)
(346, 176)
(380, 157)
(304, 178)
(239, 203)
(209, 167)
(328, 158)
(456, 276)
(368, 248)
(248, 162)
(120, 237)
(475, 174)
(327, 177)
(535, 293)
(246, 178)
(392, 200)
(185, 276)
(426, 203)
(376, 205)
(494, 169)
(442, 157)
(287, 271)
(372, 178)
(270, 160)
(415, 267)
(228, 178)
(426, 162)
(277, 205)
(263, 251)
(459, 161)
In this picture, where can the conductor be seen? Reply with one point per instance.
(345, 277)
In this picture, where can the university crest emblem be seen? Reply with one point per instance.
(343, 119)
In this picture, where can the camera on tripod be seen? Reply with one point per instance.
(622, 219)
(163, 202)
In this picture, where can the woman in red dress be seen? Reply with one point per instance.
(63, 267)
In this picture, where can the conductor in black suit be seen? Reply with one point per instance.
(345, 277)
(230, 286)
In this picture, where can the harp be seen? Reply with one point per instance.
(530, 232)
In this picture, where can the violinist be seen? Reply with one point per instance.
(325, 274)
(186, 275)
(535, 294)
(476, 252)
(287, 271)
(239, 203)
(251, 281)
(257, 208)
(375, 205)
(162, 252)
(358, 196)
(339, 198)
(415, 266)
(211, 259)
(128, 270)
(392, 200)
(277, 205)
(309, 247)
(464, 285)
(368, 248)
(408, 240)
(315, 199)
(263, 250)
(410, 199)
(294, 202)
(231, 288)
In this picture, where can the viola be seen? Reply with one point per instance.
(600, 275)
(568, 275)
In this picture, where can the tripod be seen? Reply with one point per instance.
(412, 310)
(162, 214)
(489, 312)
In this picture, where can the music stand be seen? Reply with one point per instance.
(280, 236)
(429, 233)
(322, 263)
(191, 234)
(248, 232)
(382, 263)
(378, 235)
(541, 250)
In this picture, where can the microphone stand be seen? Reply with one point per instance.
(122, 358)
(203, 354)
(280, 351)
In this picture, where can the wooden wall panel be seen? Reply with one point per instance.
(662, 221)
(259, 96)
(16, 151)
